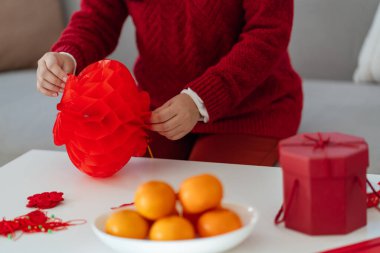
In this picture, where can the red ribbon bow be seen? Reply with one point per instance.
(319, 142)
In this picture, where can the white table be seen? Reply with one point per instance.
(85, 197)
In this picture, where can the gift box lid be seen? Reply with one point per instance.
(324, 154)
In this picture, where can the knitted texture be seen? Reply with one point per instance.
(232, 53)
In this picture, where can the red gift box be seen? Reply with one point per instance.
(324, 178)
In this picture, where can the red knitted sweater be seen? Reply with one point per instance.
(232, 53)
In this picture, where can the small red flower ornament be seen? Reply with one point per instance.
(101, 119)
(45, 200)
(372, 200)
(37, 217)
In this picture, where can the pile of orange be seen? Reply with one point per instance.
(156, 216)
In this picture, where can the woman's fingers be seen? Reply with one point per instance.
(166, 126)
(167, 123)
(49, 86)
(49, 82)
(162, 115)
(52, 65)
(172, 129)
(47, 92)
(51, 73)
(45, 74)
(175, 118)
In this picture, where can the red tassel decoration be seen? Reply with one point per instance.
(34, 222)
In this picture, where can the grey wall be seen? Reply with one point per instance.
(326, 39)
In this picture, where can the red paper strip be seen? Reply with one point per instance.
(123, 205)
(369, 246)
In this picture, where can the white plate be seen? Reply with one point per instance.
(248, 216)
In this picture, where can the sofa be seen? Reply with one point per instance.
(325, 44)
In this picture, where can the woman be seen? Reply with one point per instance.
(218, 72)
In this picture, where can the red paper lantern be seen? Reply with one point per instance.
(101, 118)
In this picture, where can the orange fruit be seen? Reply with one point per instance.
(127, 223)
(155, 199)
(218, 222)
(171, 228)
(200, 193)
(175, 212)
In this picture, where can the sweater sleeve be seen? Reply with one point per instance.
(262, 42)
(93, 31)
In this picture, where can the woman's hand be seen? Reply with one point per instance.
(52, 73)
(175, 118)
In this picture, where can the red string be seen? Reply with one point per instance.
(373, 189)
(123, 205)
(373, 198)
(278, 219)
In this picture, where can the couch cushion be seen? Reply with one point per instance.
(368, 69)
(344, 107)
(27, 117)
(28, 29)
(327, 36)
